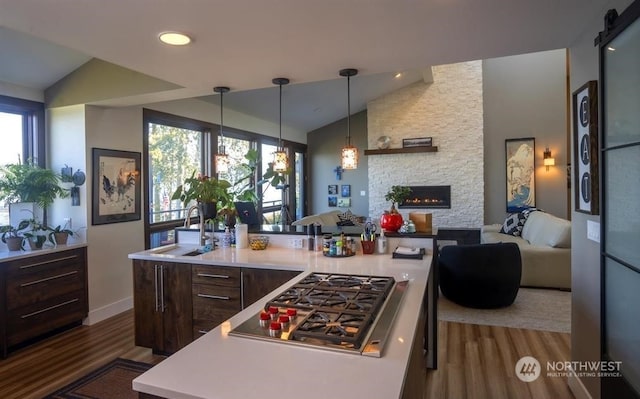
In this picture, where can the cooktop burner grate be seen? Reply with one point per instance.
(335, 327)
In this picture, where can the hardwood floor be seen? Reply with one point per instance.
(474, 361)
(42, 368)
(477, 361)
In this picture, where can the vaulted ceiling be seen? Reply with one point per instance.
(245, 43)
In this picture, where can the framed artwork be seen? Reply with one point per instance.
(333, 189)
(585, 148)
(333, 201)
(520, 173)
(116, 186)
(344, 202)
(417, 142)
(345, 190)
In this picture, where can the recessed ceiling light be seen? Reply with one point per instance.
(611, 48)
(398, 75)
(174, 38)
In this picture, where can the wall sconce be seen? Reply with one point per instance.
(548, 160)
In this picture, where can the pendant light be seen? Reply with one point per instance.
(280, 161)
(221, 158)
(349, 152)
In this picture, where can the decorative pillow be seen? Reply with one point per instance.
(513, 224)
(347, 219)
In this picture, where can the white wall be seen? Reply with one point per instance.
(110, 274)
(65, 146)
(451, 111)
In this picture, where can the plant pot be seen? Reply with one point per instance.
(391, 221)
(208, 209)
(14, 243)
(36, 242)
(61, 238)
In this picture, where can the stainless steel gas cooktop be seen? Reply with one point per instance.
(341, 312)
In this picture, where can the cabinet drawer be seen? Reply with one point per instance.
(216, 275)
(33, 320)
(56, 279)
(44, 262)
(213, 302)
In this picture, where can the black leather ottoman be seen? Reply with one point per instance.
(481, 276)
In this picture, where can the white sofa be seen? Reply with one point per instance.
(545, 248)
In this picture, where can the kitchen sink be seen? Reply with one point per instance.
(195, 252)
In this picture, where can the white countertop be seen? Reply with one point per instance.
(6, 256)
(221, 366)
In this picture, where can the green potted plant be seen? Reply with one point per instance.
(242, 189)
(205, 190)
(59, 235)
(392, 220)
(12, 236)
(37, 233)
(28, 182)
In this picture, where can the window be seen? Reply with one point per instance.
(175, 147)
(22, 130)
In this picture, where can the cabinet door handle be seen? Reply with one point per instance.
(224, 298)
(202, 332)
(155, 286)
(162, 288)
(46, 262)
(37, 312)
(212, 275)
(48, 279)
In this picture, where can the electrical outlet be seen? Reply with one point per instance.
(296, 243)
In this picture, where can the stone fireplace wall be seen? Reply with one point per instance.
(449, 110)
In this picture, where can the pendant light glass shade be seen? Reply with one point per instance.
(221, 158)
(280, 159)
(349, 157)
(349, 153)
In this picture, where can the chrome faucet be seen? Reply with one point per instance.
(203, 236)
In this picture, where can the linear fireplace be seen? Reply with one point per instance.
(428, 197)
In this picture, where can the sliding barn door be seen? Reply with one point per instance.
(619, 47)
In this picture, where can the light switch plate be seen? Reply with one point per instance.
(593, 231)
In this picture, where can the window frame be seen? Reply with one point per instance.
(209, 142)
(33, 134)
(211, 133)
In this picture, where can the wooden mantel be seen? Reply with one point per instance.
(404, 150)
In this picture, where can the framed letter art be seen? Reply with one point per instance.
(520, 174)
(585, 148)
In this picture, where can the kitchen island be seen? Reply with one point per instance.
(218, 365)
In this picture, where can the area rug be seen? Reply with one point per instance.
(534, 308)
(112, 381)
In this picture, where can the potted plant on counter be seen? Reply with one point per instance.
(12, 236)
(242, 188)
(392, 220)
(59, 235)
(28, 182)
(37, 233)
(206, 191)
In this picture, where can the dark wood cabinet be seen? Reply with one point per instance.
(259, 282)
(176, 303)
(217, 296)
(40, 294)
(162, 305)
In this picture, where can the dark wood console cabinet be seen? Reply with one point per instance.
(41, 294)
